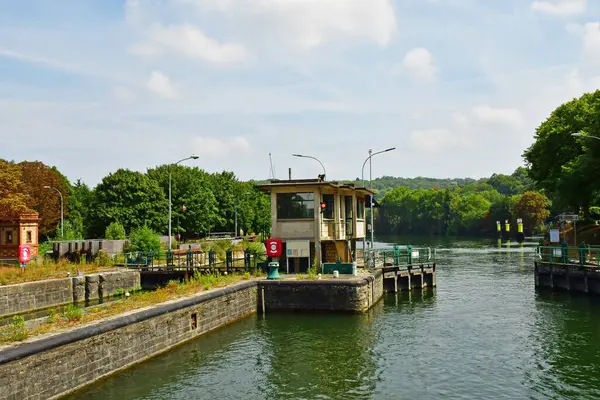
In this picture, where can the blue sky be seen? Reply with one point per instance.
(457, 86)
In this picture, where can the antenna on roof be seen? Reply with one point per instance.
(272, 170)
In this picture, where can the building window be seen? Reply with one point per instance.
(295, 205)
(360, 208)
(348, 207)
(28, 236)
(329, 201)
(9, 238)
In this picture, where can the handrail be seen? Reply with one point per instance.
(583, 255)
(399, 256)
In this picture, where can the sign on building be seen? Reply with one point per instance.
(298, 248)
(554, 236)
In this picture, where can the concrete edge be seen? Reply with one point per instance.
(39, 346)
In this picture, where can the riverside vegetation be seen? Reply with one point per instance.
(73, 315)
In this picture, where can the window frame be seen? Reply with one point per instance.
(305, 204)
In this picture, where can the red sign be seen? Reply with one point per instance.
(24, 253)
(274, 247)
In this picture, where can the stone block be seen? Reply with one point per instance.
(91, 287)
(78, 289)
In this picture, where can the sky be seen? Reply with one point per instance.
(457, 86)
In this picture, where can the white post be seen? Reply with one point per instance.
(371, 181)
(170, 208)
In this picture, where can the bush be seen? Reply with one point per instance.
(144, 239)
(73, 313)
(115, 231)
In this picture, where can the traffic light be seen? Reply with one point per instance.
(323, 207)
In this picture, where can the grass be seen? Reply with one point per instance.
(73, 315)
(40, 271)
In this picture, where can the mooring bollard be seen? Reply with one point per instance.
(273, 270)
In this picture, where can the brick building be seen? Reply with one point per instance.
(18, 231)
(316, 220)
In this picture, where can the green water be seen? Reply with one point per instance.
(483, 333)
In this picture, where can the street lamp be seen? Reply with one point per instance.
(62, 221)
(371, 154)
(316, 159)
(236, 215)
(580, 134)
(368, 158)
(192, 157)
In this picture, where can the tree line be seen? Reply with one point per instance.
(201, 202)
(471, 208)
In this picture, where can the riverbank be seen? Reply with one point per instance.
(82, 351)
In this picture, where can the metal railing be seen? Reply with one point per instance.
(582, 256)
(399, 256)
(194, 259)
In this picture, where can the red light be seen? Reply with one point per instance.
(323, 205)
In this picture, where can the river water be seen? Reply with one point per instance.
(484, 333)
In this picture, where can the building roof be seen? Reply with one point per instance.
(267, 187)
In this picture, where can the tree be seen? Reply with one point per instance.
(194, 207)
(532, 207)
(115, 231)
(13, 200)
(79, 204)
(36, 175)
(131, 198)
(565, 167)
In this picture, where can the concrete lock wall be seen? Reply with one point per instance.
(32, 296)
(83, 355)
(357, 295)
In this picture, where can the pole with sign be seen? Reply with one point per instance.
(24, 255)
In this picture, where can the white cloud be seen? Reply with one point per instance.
(191, 42)
(560, 7)
(591, 40)
(420, 64)
(432, 141)
(215, 148)
(498, 116)
(306, 23)
(161, 84)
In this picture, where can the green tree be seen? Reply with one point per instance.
(144, 239)
(79, 204)
(131, 198)
(194, 207)
(115, 231)
(565, 167)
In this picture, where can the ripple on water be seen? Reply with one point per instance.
(484, 333)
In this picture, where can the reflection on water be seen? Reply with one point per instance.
(484, 332)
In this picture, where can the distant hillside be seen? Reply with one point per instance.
(515, 183)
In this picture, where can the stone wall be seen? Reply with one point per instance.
(35, 295)
(355, 295)
(31, 296)
(81, 356)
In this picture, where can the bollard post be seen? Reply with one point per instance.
(229, 260)
(211, 258)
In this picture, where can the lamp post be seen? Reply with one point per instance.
(192, 157)
(62, 221)
(236, 215)
(371, 155)
(316, 159)
(580, 134)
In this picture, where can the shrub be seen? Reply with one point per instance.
(73, 313)
(16, 330)
(104, 259)
(115, 231)
(144, 239)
